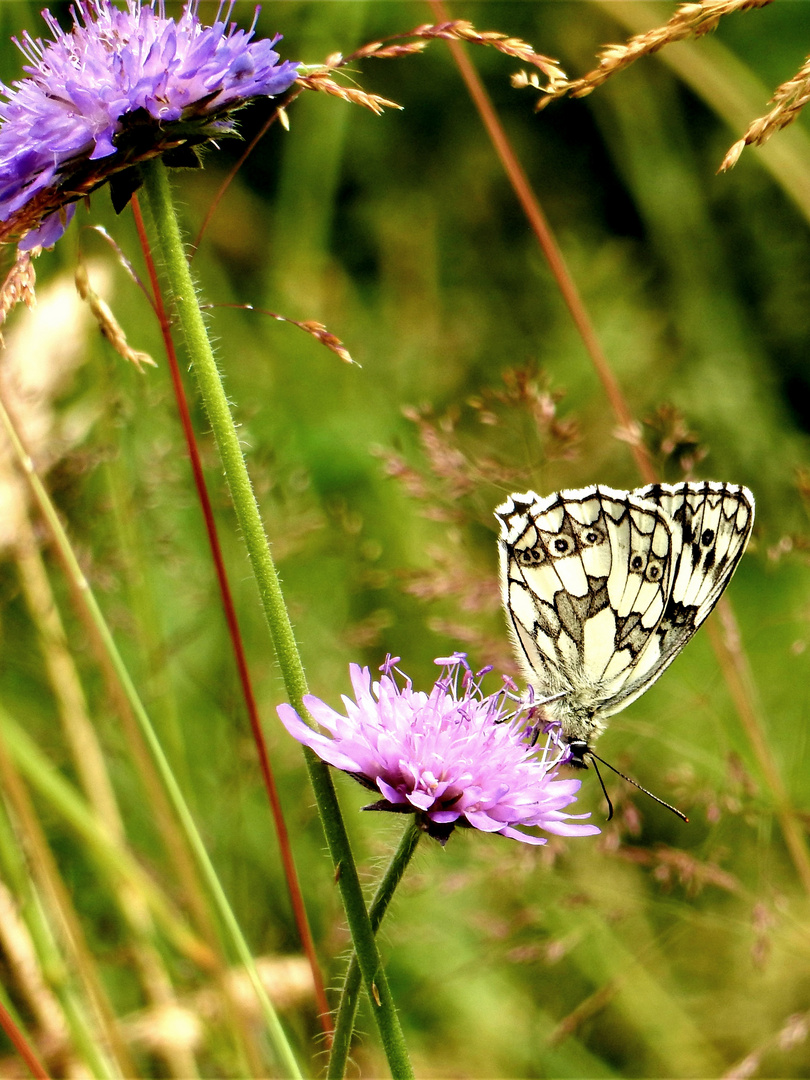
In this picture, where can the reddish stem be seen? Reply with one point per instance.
(21, 1044)
(727, 646)
(545, 238)
(296, 897)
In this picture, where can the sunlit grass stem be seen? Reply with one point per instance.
(45, 871)
(106, 850)
(91, 767)
(275, 1031)
(36, 961)
(167, 239)
(115, 862)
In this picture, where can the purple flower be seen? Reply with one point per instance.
(454, 756)
(121, 86)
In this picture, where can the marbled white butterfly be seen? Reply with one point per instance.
(603, 588)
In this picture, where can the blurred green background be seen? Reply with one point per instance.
(659, 949)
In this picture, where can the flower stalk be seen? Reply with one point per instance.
(167, 239)
(347, 1008)
(280, 825)
(452, 758)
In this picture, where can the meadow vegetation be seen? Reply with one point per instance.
(657, 949)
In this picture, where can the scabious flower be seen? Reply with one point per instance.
(121, 86)
(454, 757)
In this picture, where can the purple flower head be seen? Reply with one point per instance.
(119, 87)
(455, 757)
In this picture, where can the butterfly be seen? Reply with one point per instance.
(603, 588)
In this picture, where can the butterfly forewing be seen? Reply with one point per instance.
(535, 527)
(603, 588)
(715, 521)
(578, 613)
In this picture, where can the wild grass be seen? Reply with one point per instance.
(661, 949)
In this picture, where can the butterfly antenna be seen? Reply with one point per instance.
(602, 783)
(635, 784)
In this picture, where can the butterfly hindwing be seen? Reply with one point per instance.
(714, 522)
(603, 588)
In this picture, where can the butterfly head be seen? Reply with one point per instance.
(579, 748)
